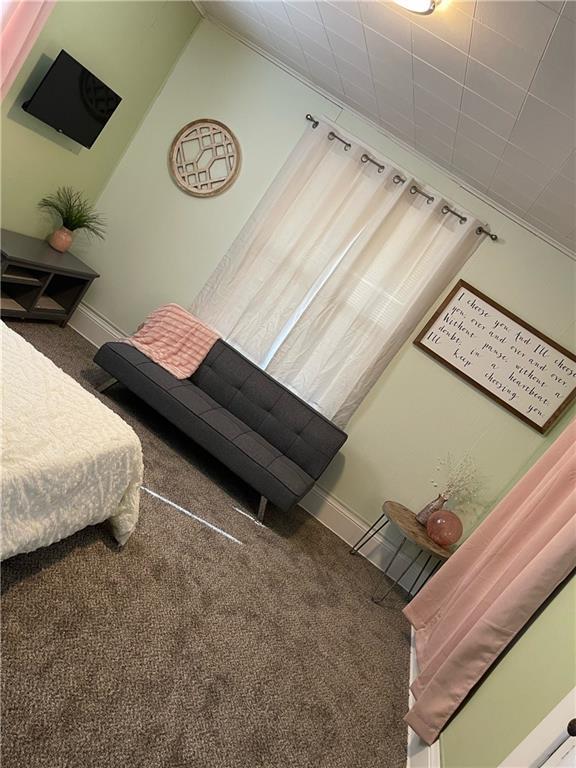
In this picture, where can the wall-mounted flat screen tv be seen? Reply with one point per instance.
(73, 100)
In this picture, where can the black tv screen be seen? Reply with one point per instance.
(73, 100)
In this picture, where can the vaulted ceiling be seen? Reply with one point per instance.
(484, 88)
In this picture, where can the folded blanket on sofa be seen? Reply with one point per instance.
(175, 339)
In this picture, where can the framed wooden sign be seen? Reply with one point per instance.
(501, 355)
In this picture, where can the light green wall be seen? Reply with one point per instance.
(163, 244)
(526, 685)
(132, 46)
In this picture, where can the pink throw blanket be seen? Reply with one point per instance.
(175, 339)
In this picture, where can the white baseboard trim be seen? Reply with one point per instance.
(342, 521)
(93, 326)
(419, 754)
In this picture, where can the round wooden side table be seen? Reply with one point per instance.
(405, 520)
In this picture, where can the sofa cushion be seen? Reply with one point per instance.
(225, 422)
(255, 446)
(286, 422)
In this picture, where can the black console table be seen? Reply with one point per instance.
(39, 283)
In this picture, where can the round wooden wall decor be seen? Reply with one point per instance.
(204, 158)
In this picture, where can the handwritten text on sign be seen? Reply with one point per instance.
(505, 358)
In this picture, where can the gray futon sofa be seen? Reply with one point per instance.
(259, 429)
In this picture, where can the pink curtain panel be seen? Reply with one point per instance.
(487, 591)
(22, 22)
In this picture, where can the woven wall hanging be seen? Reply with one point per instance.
(204, 158)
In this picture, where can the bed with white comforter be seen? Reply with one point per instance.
(67, 460)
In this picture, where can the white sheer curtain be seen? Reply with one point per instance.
(332, 273)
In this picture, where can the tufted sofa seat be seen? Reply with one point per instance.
(263, 432)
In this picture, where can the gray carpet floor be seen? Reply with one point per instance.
(186, 649)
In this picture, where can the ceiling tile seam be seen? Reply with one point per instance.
(551, 228)
(200, 8)
(556, 197)
(463, 87)
(558, 13)
(340, 78)
(499, 207)
(421, 24)
(569, 115)
(381, 34)
(274, 33)
(507, 39)
(527, 93)
(500, 75)
(370, 66)
(298, 40)
(413, 82)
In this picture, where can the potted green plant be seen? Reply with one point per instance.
(74, 212)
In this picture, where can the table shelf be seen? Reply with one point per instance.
(9, 304)
(38, 282)
(47, 304)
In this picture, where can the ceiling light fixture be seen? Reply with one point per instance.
(423, 7)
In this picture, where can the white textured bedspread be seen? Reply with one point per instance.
(67, 460)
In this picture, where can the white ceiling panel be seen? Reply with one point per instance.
(487, 113)
(485, 88)
(345, 51)
(444, 88)
(434, 146)
(560, 52)
(502, 55)
(544, 132)
(514, 186)
(493, 87)
(304, 24)
(327, 77)
(388, 98)
(428, 102)
(342, 23)
(438, 129)
(315, 50)
(568, 169)
(474, 160)
(551, 86)
(537, 171)
(481, 135)
(388, 59)
(569, 10)
(450, 25)
(384, 20)
(445, 57)
(528, 25)
(357, 77)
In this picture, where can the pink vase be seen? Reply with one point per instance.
(444, 527)
(61, 239)
(432, 506)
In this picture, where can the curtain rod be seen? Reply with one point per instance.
(397, 179)
(332, 136)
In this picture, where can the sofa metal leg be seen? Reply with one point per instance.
(105, 384)
(262, 508)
